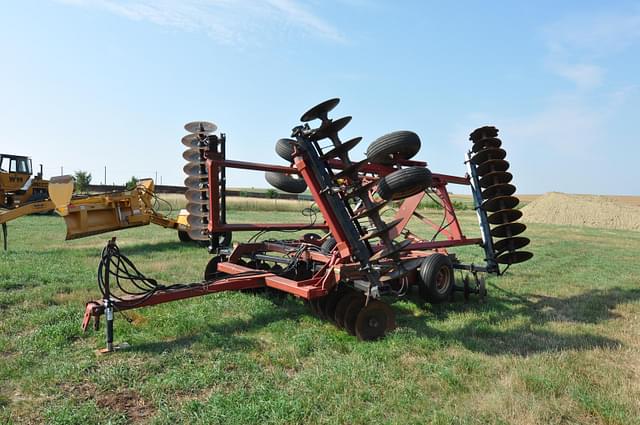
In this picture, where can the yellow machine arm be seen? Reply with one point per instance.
(112, 211)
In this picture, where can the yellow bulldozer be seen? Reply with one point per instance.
(21, 194)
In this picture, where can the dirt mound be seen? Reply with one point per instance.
(582, 210)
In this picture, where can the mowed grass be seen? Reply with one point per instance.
(557, 341)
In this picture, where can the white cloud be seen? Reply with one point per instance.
(577, 44)
(226, 21)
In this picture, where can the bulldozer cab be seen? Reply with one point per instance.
(15, 171)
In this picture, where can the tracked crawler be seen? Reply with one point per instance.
(364, 259)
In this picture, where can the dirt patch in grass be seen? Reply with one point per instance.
(582, 210)
(125, 400)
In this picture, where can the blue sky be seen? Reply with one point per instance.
(89, 83)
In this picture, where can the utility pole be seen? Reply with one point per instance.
(105, 174)
(61, 170)
(156, 179)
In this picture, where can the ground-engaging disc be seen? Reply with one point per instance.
(199, 234)
(192, 155)
(504, 216)
(196, 210)
(196, 183)
(490, 142)
(500, 189)
(320, 110)
(341, 149)
(508, 230)
(196, 197)
(514, 257)
(492, 165)
(202, 127)
(488, 154)
(510, 244)
(191, 140)
(196, 222)
(194, 169)
(500, 203)
(331, 129)
(483, 132)
(374, 321)
(495, 177)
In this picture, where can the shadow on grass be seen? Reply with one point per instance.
(229, 334)
(513, 324)
(153, 248)
(507, 323)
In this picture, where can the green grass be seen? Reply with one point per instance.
(557, 341)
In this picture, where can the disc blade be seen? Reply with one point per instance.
(196, 210)
(504, 216)
(492, 165)
(192, 155)
(500, 203)
(198, 234)
(195, 197)
(331, 129)
(389, 251)
(488, 154)
(375, 233)
(501, 189)
(483, 132)
(496, 177)
(508, 230)
(196, 222)
(191, 140)
(202, 127)
(195, 169)
(341, 149)
(374, 321)
(320, 110)
(514, 257)
(510, 244)
(490, 142)
(196, 183)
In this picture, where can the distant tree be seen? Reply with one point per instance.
(83, 180)
(132, 183)
(272, 193)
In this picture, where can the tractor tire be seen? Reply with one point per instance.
(393, 146)
(184, 236)
(328, 245)
(284, 149)
(219, 239)
(404, 183)
(285, 182)
(436, 279)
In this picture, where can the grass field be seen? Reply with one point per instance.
(557, 341)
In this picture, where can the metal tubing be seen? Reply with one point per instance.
(487, 242)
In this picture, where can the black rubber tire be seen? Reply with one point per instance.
(436, 279)
(404, 183)
(328, 245)
(284, 149)
(220, 239)
(285, 182)
(184, 236)
(390, 147)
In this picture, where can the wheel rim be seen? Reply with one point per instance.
(443, 279)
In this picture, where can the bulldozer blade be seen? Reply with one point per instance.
(60, 192)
